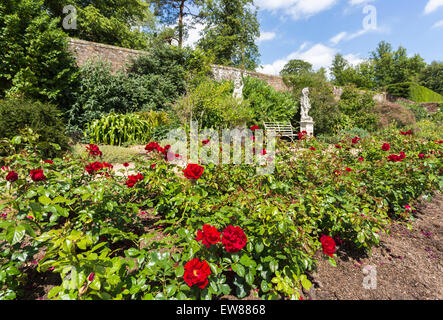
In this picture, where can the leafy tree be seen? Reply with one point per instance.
(432, 77)
(338, 69)
(175, 11)
(34, 60)
(231, 30)
(296, 66)
(395, 66)
(115, 22)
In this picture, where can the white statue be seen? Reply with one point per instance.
(305, 105)
(238, 87)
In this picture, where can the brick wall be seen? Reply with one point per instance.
(119, 57)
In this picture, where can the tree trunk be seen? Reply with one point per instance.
(180, 24)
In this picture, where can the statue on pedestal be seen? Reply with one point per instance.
(238, 87)
(306, 122)
(305, 105)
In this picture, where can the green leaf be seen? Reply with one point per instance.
(44, 200)
(15, 235)
(332, 262)
(305, 282)
(225, 289)
(249, 278)
(273, 265)
(247, 261)
(264, 286)
(239, 269)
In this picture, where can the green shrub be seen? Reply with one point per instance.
(163, 73)
(34, 60)
(269, 104)
(359, 107)
(43, 118)
(118, 129)
(325, 111)
(211, 104)
(421, 94)
(101, 92)
(413, 92)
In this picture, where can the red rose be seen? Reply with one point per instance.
(234, 239)
(348, 169)
(361, 159)
(208, 235)
(302, 135)
(386, 147)
(312, 148)
(263, 152)
(193, 171)
(197, 273)
(337, 173)
(328, 245)
(12, 176)
(205, 142)
(254, 127)
(94, 150)
(152, 146)
(133, 180)
(37, 175)
(356, 140)
(421, 156)
(125, 164)
(153, 166)
(49, 161)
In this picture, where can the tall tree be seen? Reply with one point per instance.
(339, 65)
(175, 11)
(296, 66)
(432, 77)
(116, 22)
(231, 31)
(395, 66)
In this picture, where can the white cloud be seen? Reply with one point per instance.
(339, 37)
(358, 2)
(266, 36)
(433, 5)
(438, 24)
(318, 55)
(297, 9)
(353, 59)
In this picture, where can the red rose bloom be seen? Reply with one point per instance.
(208, 235)
(328, 245)
(197, 273)
(37, 175)
(193, 171)
(12, 176)
(94, 150)
(205, 142)
(312, 148)
(254, 127)
(361, 159)
(421, 156)
(133, 180)
(49, 161)
(234, 239)
(152, 146)
(348, 169)
(386, 147)
(263, 152)
(356, 140)
(125, 164)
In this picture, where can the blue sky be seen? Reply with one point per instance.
(315, 30)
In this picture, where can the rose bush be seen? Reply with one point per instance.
(224, 229)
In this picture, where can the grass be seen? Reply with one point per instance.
(111, 154)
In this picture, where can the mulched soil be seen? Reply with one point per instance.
(408, 263)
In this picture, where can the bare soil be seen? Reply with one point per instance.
(408, 263)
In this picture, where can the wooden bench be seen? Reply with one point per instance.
(281, 129)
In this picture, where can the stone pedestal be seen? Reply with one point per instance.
(308, 126)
